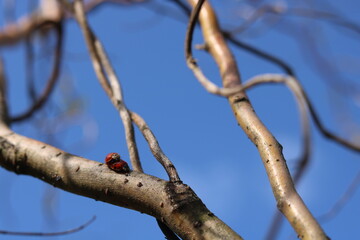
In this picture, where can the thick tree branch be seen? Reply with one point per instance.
(175, 204)
(288, 200)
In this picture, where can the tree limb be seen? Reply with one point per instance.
(175, 204)
(288, 200)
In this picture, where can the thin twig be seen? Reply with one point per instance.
(108, 81)
(113, 89)
(118, 101)
(54, 76)
(155, 147)
(49, 234)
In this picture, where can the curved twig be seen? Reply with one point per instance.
(228, 92)
(54, 76)
(49, 234)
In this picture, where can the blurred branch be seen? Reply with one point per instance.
(339, 205)
(12, 33)
(4, 115)
(299, 12)
(54, 76)
(258, 13)
(29, 51)
(288, 200)
(325, 16)
(50, 234)
(93, 4)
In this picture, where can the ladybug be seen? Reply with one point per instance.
(115, 163)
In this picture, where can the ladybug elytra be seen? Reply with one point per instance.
(115, 163)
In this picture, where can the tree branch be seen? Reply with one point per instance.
(175, 204)
(288, 200)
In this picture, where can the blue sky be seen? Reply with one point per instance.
(196, 130)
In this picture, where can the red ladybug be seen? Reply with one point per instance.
(115, 163)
